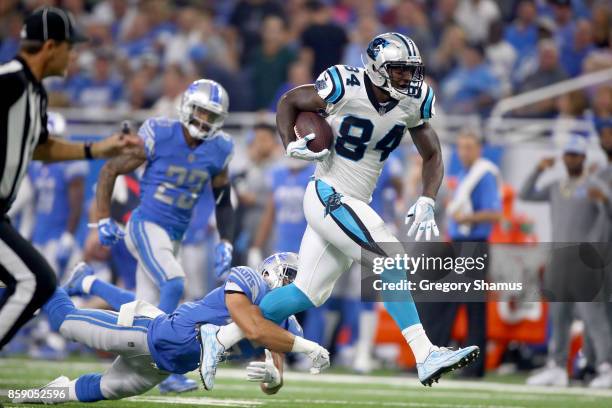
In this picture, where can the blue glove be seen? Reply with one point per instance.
(223, 258)
(65, 247)
(109, 232)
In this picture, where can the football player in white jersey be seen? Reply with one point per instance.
(369, 110)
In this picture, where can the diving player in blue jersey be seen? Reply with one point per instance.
(151, 344)
(181, 156)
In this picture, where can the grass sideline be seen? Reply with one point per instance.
(323, 391)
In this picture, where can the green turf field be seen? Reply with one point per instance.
(327, 390)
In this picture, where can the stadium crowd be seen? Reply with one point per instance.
(143, 54)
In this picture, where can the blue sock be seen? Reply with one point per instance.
(113, 295)
(400, 304)
(170, 293)
(58, 307)
(314, 324)
(350, 317)
(281, 303)
(87, 388)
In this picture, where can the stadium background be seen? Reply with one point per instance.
(482, 58)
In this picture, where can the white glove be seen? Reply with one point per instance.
(320, 360)
(264, 371)
(422, 216)
(298, 149)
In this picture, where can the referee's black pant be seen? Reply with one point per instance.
(29, 281)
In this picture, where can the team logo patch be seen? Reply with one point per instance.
(320, 85)
(376, 46)
(333, 203)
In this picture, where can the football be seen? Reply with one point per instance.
(310, 122)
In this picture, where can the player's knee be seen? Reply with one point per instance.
(57, 308)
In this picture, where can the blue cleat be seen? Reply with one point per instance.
(442, 360)
(74, 285)
(211, 354)
(177, 383)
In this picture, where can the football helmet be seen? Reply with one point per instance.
(279, 269)
(394, 51)
(203, 108)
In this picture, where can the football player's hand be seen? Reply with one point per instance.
(298, 149)
(264, 371)
(422, 216)
(109, 232)
(64, 250)
(223, 258)
(115, 145)
(320, 360)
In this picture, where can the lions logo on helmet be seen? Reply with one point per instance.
(203, 108)
(394, 50)
(279, 269)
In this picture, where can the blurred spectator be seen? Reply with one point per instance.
(323, 40)
(548, 72)
(197, 39)
(245, 24)
(484, 12)
(602, 24)
(9, 35)
(410, 19)
(574, 53)
(501, 55)
(564, 22)
(137, 39)
(299, 74)
(523, 32)
(602, 103)
(446, 57)
(442, 18)
(119, 14)
(174, 83)
(472, 87)
(137, 93)
(473, 210)
(574, 217)
(571, 107)
(367, 28)
(102, 89)
(271, 61)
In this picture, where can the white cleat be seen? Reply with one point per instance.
(551, 376)
(603, 378)
(441, 360)
(211, 354)
(56, 392)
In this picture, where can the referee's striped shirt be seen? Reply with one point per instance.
(23, 125)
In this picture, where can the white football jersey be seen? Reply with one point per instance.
(365, 132)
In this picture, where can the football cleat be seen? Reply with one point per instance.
(74, 285)
(211, 354)
(55, 392)
(442, 360)
(177, 383)
(549, 375)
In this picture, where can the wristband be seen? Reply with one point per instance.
(301, 345)
(87, 149)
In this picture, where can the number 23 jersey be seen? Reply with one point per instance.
(365, 132)
(176, 174)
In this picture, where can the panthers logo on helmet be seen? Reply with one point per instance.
(376, 46)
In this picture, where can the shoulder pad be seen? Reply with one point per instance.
(331, 84)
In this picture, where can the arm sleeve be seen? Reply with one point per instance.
(147, 134)
(330, 85)
(244, 280)
(529, 191)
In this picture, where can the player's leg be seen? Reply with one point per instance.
(83, 281)
(194, 259)
(151, 245)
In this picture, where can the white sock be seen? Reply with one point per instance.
(418, 341)
(368, 322)
(72, 390)
(229, 335)
(87, 282)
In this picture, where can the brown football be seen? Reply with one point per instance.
(310, 122)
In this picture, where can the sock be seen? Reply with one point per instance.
(418, 341)
(314, 324)
(87, 388)
(87, 282)
(57, 308)
(368, 322)
(229, 335)
(281, 303)
(113, 295)
(72, 391)
(399, 304)
(350, 317)
(170, 293)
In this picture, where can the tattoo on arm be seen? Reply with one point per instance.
(123, 164)
(428, 145)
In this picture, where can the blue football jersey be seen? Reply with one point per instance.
(51, 183)
(175, 174)
(198, 226)
(288, 189)
(173, 340)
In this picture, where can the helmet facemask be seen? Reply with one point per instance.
(398, 73)
(203, 123)
(279, 269)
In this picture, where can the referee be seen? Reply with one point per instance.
(46, 42)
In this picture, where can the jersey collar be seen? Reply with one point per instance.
(370, 91)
